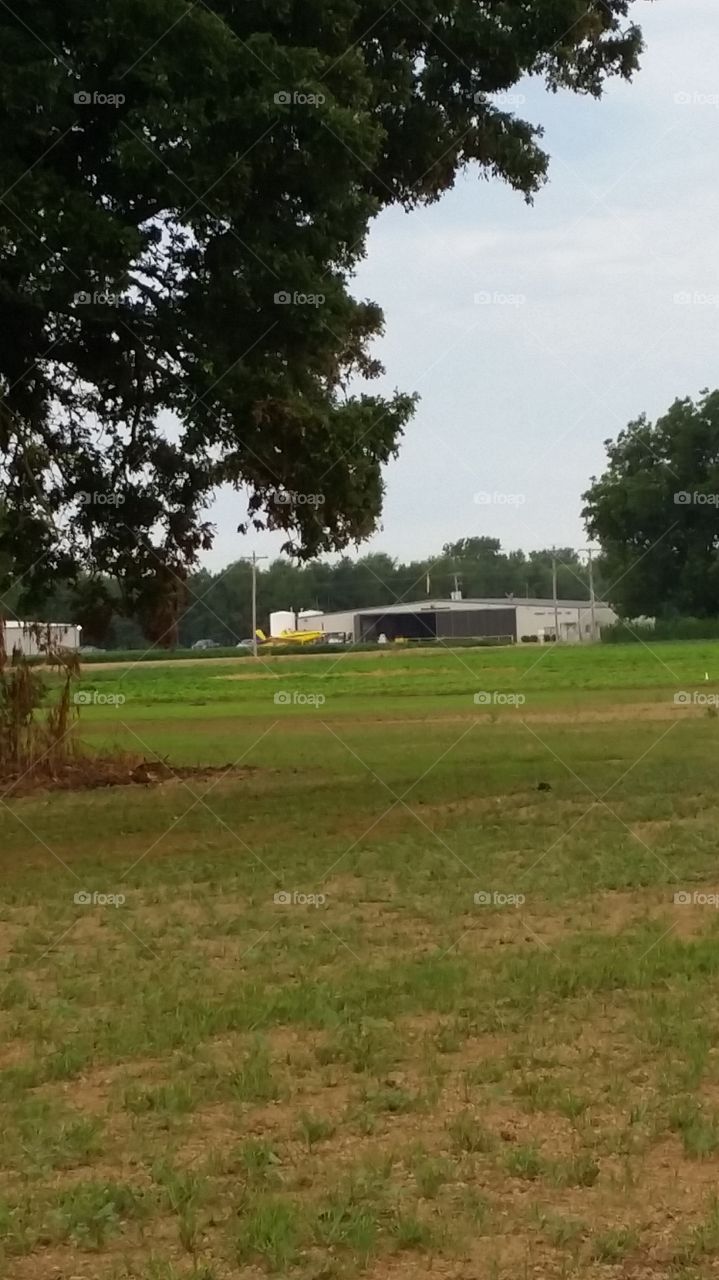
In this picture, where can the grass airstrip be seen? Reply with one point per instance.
(423, 982)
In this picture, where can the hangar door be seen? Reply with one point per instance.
(465, 623)
(405, 626)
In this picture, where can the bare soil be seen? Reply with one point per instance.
(91, 773)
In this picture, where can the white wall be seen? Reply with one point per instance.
(283, 620)
(20, 635)
(575, 624)
(327, 622)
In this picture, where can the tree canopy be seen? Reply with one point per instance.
(219, 605)
(655, 513)
(187, 191)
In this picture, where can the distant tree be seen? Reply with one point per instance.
(125, 634)
(471, 548)
(187, 189)
(572, 574)
(655, 512)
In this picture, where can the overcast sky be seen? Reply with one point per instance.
(533, 333)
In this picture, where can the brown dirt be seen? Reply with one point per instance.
(91, 773)
(304, 722)
(670, 1193)
(629, 711)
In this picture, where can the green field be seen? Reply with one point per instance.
(406, 993)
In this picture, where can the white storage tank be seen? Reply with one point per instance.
(283, 620)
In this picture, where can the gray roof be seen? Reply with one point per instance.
(477, 602)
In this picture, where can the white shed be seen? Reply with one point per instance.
(25, 636)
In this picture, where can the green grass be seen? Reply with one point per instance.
(418, 681)
(270, 1232)
(469, 1134)
(205, 1078)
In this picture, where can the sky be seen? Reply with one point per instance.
(535, 333)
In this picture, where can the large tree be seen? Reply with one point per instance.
(172, 173)
(655, 512)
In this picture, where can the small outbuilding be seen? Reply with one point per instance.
(30, 638)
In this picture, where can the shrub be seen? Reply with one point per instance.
(34, 737)
(663, 629)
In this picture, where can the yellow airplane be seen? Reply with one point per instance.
(290, 637)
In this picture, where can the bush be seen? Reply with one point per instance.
(663, 629)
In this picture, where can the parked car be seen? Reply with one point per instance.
(205, 644)
(90, 648)
(245, 644)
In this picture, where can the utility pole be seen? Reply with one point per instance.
(554, 596)
(591, 597)
(254, 560)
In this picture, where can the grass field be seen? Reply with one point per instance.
(405, 994)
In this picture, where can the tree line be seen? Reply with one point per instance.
(654, 512)
(219, 604)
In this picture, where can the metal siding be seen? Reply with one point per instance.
(394, 623)
(467, 623)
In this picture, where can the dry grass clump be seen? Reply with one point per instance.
(36, 735)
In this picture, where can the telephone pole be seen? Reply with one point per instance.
(554, 596)
(254, 560)
(591, 597)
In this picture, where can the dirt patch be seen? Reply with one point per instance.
(90, 774)
(251, 675)
(15, 1053)
(307, 720)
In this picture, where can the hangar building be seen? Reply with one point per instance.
(501, 618)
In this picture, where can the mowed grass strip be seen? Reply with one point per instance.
(415, 994)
